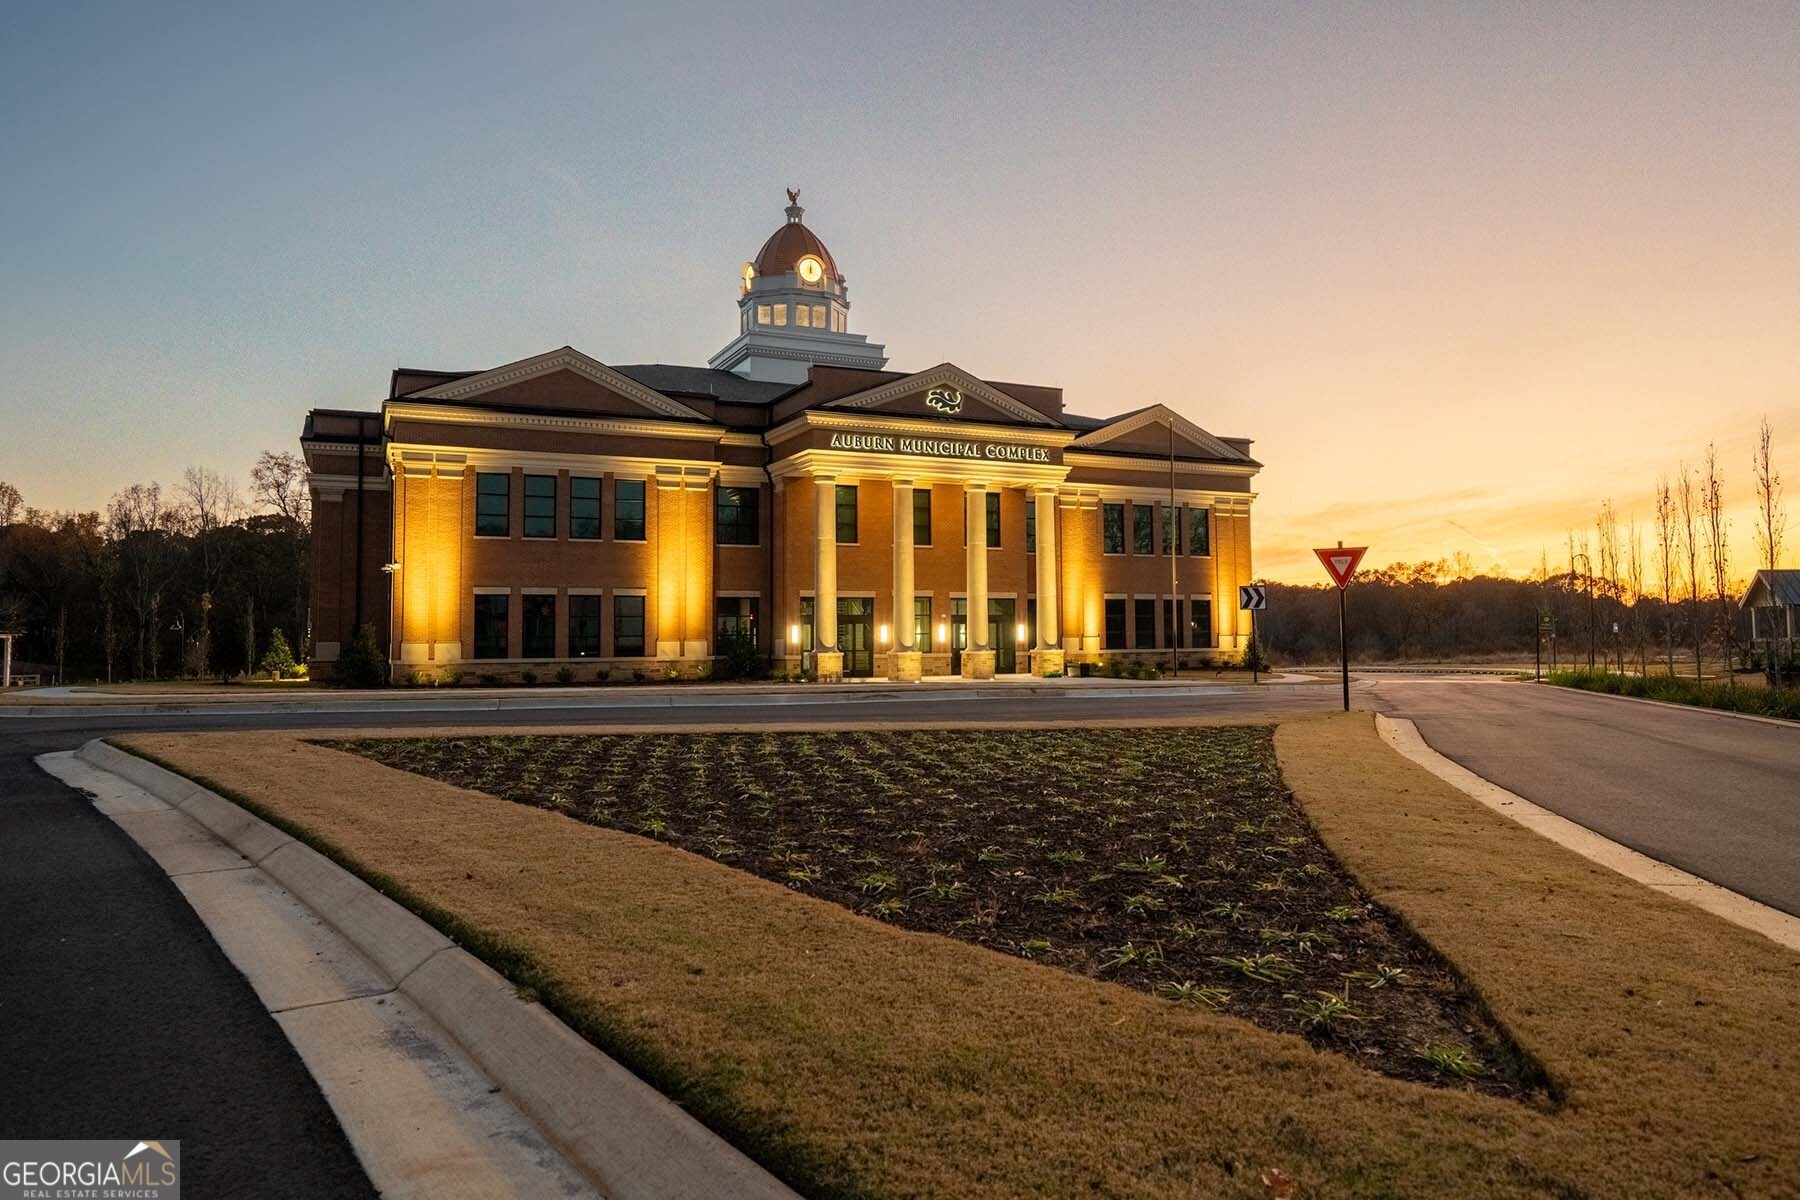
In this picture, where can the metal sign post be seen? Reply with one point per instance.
(1252, 598)
(1340, 563)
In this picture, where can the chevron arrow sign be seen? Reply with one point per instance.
(1253, 597)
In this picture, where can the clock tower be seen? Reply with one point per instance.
(794, 310)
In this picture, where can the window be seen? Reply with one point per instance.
(540, 506)
(1200, 623)
(1140, 529)
(538, 626)
(584, 626)
(762, 315)
(493, 493)
(922, 623)
(846, 514)
(584, 511)
(734, 617)
(780, 314)
(806, 624)
(1030, 525)
(803, 316)
(1199, 540)
(490, 626)
(1171, 540)
(922, 516)
(736, 510)
(818, 316)
(993, 520)
(1112, 528)
(628, 626)
(1115, 624)
(628, 511)
(1144, 635)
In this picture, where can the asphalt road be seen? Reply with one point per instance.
(1715, 795)
(120, 1017)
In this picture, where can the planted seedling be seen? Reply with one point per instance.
(1456, 1062)
(1198, 994)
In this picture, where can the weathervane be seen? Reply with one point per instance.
(793, 195)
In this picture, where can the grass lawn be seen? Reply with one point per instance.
(858, 1057)
(1748, 696)
(1170, 860)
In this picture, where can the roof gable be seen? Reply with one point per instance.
(564, 380)
(1147, 431)
(1772, 589)
(943, 392)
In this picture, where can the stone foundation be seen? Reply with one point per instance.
(909, 666)
(1045, 663)
(977, 664)
(829, 666)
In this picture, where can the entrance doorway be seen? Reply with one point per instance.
(856, 634)
(959, 633)
(1003, 635)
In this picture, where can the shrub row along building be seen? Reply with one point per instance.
(792, 495)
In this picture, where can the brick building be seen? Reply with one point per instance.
(563, 512)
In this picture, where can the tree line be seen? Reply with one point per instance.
(1623, 594)
(196, 579)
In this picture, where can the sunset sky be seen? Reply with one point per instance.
(1461, 272)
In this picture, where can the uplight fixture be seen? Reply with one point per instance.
(942, 632)
(881, 635)
(1021, 630)
(793, 635)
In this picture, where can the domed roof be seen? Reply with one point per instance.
(790, 243)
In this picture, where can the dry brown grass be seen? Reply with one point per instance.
(858, 1059)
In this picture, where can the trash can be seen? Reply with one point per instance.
(1085, 670)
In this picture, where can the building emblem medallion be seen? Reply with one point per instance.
(946, 400)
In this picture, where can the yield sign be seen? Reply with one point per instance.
(1340, 562)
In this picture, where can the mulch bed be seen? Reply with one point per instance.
(1169, 860)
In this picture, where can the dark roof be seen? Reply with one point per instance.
(1783, 587)
(1077, 421)
(702, 381)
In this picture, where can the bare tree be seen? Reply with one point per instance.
(1771, 524)
(280, 482)
(1718, 550)
(212, 503)
(1606, 542)
(11, 503)
(140, 523)
(1634, 581)
(1668, 553)
(1690, 545)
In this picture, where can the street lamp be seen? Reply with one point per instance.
(392, 571)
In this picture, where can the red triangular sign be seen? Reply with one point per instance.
(1340, 562)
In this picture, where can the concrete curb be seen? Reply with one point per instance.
(1780, 722)
(1779, 927)
(672, 698)
(633, 1142)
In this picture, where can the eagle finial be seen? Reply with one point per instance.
(793, 195)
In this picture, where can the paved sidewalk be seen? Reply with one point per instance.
(120, 1016)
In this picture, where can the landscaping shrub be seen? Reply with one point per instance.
(362, 664)
(739, 657)
(565, 675)
(1763, 702)
(278, 660)
(528, 675)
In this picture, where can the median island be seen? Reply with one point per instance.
(1175, 961)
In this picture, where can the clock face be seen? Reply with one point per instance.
(811, 270)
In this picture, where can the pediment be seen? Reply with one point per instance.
(564, 380)
(1147, 432)
(943, 393)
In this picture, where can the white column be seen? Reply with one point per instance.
(975, 495)
(825, 631)
(905, 636)
(1047, 571)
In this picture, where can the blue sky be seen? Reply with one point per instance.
(1459, 270)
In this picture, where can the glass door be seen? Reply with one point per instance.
(959, 633)
(1003, 635)
(856, 635)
